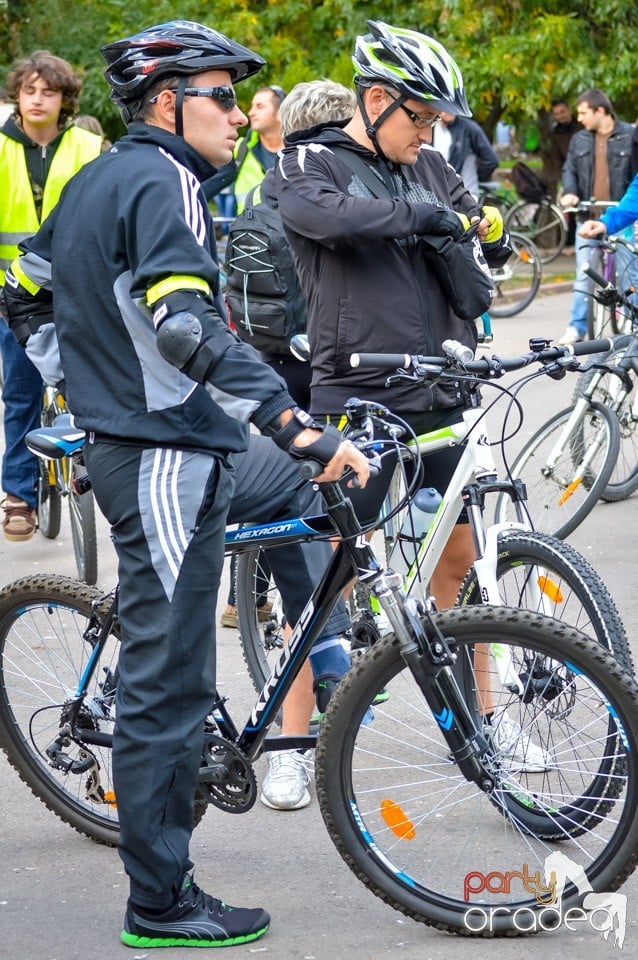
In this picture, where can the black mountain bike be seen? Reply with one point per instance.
(398, 781)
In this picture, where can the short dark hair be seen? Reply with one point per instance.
(53, 70)
(560, 101)
(595, 98)
(166, 83)
(278, 93)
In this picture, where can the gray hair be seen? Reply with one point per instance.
(316, 101)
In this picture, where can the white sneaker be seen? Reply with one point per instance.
(285, 786)
(570, 336)
(515, 749)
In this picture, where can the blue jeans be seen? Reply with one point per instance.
(22, 398)
(582, 285)
(626, 273)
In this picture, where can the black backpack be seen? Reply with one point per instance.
(262, 291)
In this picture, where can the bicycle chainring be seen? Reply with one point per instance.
(226, 777)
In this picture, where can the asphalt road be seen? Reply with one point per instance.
(62, 897)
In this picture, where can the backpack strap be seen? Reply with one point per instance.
(253, 197)
(242, 151)
(378, 188)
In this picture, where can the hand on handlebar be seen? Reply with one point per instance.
(347, 456)
(592, 228)
(569, 200)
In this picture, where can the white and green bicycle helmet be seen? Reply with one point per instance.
(419, 67)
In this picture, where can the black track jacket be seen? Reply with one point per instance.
(129, 220)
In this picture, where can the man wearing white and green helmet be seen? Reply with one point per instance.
(358, 252)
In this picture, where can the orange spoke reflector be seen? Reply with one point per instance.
(109, 797)
(574, 485)
(396, 819)
(524, 256)
(550, 589)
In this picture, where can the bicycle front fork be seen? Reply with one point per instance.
(430, 661)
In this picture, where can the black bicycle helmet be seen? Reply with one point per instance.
(178, 48)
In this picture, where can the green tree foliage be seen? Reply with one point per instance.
(515, 54)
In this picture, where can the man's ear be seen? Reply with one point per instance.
(376, 100)
(165, 108)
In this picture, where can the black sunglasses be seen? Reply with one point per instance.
(225, 96)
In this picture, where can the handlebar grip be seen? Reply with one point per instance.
(592, 346)
(381, 361)
(310, 469)
(596, 277)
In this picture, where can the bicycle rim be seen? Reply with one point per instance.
(260, 616)
(543, 224)
(561, 496)
(517, 282)
(424, 839)
(44, 650)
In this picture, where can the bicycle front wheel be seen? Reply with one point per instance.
(622, 398)
(393, 799)
(563, 491)
(83, 532)
(542, 223)
(45, 646)
(517, 282)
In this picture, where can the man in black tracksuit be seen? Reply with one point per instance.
(358, 254)
(165, 392)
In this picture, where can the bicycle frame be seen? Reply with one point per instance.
(352, 557)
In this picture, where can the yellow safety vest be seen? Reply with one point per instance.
(250, 173)
(18, 217)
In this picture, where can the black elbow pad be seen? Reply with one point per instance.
(179, 336)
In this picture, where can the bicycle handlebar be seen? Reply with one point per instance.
(597, 277)
(489, 367)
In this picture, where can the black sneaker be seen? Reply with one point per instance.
(196, 920)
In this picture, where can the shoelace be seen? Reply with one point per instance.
(194, 896)
(283, 761)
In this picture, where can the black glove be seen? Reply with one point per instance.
(444, 223)
(25, 312)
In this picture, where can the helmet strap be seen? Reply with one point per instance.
(182, 83)
(372, 128)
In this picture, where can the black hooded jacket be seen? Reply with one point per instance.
(362, 269)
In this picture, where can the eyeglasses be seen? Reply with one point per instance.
(225, 96)
(419, 122)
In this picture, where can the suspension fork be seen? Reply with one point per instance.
(430, 662)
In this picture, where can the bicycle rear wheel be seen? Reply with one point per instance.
(542, 223)
(613, 393)
(545, 575)
(517, 282)
(393, 799)
(45, 646)
(49, 501)
(559, 497)
(83, 531)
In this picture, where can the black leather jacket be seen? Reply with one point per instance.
(578, 171)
